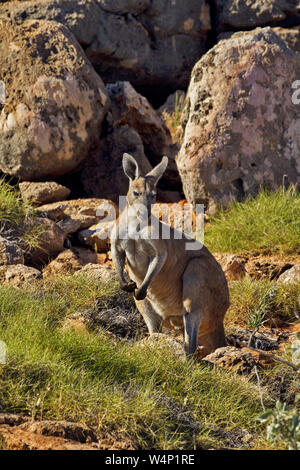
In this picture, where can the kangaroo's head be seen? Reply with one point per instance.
(142, 189)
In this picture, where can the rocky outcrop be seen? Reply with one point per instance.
(103, 273)
(50, 242)
(238, 14)
(150, 43)
(19, 275)
(291, 36)
(232, 265)
(135, 128)
(43, 193)
(10, 252)
(55, 101)
(132, 109)
(173, 103)
(241, 126)
(76, 214)
(97, 236)
(229, 357)
(70, 261)
(102, 174)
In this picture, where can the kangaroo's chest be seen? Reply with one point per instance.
(138, 255)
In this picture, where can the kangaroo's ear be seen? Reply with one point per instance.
(159, 169)
(130, 167)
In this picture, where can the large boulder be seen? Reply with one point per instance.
(241, 125)
(55, 101)
(148, 42)
(135, 128)
(132, 109)
(241, 14)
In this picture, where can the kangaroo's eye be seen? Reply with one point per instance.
(136, 193)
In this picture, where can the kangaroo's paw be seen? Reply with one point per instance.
(140, 294)
(129, 287)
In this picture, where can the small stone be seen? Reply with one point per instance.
(232, 265)
(69, 225)
(70, 261)
(43, 193)
(232, 358)
(19, 275)
(291, 275)
(10, 252)
(103, 273)
(97, 236)
(50, 243)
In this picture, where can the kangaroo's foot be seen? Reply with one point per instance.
(192, 321)
(130, 286)
(151, 317)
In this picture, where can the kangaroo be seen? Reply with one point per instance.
(186, 287)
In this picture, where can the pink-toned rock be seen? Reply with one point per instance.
(291, 36)
(102, 174)
(134, 110)
(234, 142)
(55, 101)
(70, 225)
(179, 215)
(151, 43)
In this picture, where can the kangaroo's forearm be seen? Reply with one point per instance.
(118, 257)
(154, 268)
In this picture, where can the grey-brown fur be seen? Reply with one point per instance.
(169, 282)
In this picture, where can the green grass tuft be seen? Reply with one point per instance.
(252, 299)
(13, 210)
(269, 223)
(17, 216)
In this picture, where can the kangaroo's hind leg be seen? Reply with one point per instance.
(152, 319)
(201, 308)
